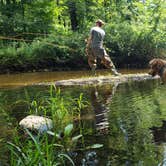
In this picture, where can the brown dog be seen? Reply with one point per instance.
(158, 67)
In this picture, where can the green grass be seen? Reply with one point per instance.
(53, 147)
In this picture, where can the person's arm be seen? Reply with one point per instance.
(88, 42)
(89, 39)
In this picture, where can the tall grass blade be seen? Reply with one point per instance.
(67, 157)
(18, 150)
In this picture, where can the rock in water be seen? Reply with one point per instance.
(36, 123)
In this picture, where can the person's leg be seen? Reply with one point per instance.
(92, 60)
(92, 63)
(106, 61)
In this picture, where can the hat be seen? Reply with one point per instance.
(100, 22)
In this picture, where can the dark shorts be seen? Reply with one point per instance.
(98, 52)
(94, 53)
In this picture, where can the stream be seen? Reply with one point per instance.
(128, 119)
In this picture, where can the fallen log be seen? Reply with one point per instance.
(102, 80)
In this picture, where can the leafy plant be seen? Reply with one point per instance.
(37, 151)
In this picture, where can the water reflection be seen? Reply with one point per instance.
(124, 115)
(100, 102)
(130, 113)
(159, 134)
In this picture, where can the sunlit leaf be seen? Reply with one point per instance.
(51, 133)
(76, 137)
(68, 129)
(58, 145)
(94, 146)
(67, 157)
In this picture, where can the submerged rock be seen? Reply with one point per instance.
(90, 159)
(36, 123)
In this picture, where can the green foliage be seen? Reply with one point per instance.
(62, 110)
(129, 44)
(54, 52)
(52, 147)
(26, 16)
(37, 34)
(37, 150)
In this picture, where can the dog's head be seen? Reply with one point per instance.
(156, 66)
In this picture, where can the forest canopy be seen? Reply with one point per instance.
(39, 34)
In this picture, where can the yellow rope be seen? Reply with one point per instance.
(13, 38)
(31, 33)
(16, 39)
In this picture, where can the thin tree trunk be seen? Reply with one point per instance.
(73, 15)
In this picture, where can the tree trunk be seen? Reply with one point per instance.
(73, 15)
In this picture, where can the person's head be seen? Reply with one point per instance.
(99, 23)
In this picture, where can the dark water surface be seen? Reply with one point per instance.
(128, 119)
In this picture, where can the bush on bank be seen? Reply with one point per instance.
(54, 53)
(128, 46)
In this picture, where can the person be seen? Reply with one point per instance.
(95, 49)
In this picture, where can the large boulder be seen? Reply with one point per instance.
(36, 123)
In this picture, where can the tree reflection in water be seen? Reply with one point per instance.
(159, 135)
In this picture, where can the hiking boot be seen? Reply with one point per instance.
(115, 73)
(93, 71)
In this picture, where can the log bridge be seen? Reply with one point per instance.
(99, 80)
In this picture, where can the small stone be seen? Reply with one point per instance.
(36, 123)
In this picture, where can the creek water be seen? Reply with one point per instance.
(128, 119)
(24, 79)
